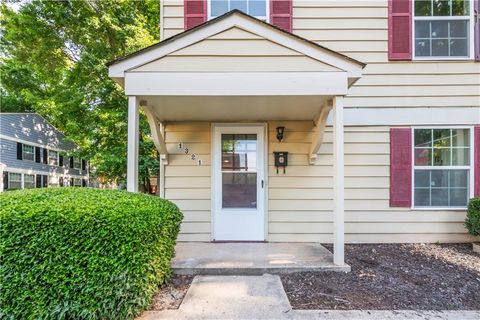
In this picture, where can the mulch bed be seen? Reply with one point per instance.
(170, 295)
(393, 276)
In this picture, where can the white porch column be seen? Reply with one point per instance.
(132, 152)
(338, 182)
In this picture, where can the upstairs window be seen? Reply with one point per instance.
(255, 8)
(442, 167)
(28, 152)
(443, 29)
(53, 158)
(77, 163)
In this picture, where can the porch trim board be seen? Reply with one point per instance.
(133, 143)
(338, 182)
(235, 83)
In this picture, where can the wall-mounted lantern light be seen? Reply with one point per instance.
(280, 132)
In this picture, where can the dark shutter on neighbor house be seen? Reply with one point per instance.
(84, 182)
(71, 182)
(281, 14)
(45, 156)
(60, 181)
(19, 151)
(71, 162)
(38, 181)
(38, 151)
(84, 164)
(476, 33)
(195, 13)
(5, 180)
(400, 167)
(60, 161)
(400, 29)
(44, 181)
(476, 162)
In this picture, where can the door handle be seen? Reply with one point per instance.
(262, 183)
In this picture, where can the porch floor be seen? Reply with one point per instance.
(252, 258)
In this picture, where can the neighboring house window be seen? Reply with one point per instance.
(14, 180)
(77, 163)
(28, 152)
(28, 181)
(443, 29)
(255, 8)
(442, 167)
(52, 181)
(77, 182)
(53, 158)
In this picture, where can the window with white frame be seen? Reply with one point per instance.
(77, 163)
(77, 182)
(442, 167)
(53, 158)
(255, 8)
(14, 180)
(53, 181)
(28, 152)
(442, 28)
(28, 181)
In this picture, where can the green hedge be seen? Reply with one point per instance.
(473, 217)
(80, 253)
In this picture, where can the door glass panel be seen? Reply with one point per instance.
(239, 170)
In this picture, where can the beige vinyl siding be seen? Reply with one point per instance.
(301, 201)
(186, 183)
(235, 50)
(171, 22)
(359, 29)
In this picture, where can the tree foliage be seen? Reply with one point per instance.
(53, 62)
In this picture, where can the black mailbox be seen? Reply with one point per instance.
(281, 160)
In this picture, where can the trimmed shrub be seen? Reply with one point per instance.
(80, 253)
(473, 217)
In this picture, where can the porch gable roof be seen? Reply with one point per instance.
(236, 20)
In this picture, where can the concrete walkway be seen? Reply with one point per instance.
(252, 258)
(263, 297)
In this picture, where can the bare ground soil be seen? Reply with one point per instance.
(393, 276)
(170, 295)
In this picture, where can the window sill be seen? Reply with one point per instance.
(439, 59)
(439, 208)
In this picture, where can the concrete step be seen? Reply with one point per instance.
(205, 258)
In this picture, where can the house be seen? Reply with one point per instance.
(34, 154)
(312, 121)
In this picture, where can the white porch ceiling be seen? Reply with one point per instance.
(234, 108)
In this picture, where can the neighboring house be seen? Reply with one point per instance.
(378, 102)
(34, 154)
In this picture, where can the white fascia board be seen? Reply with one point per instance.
(235, 83)
(353, 69)
(405, 116)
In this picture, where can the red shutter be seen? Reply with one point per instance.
(195, 13)
(476, 32)
(400, 167)
(399, 29)
(281, 14)
(476, 161)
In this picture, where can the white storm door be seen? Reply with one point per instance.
(239, 183)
